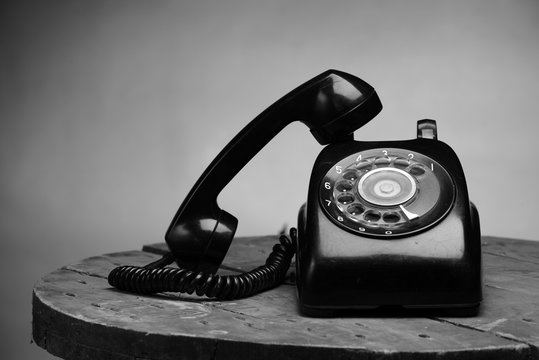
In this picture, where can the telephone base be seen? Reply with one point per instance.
(371, 276)
(374, 236)
(392, 311)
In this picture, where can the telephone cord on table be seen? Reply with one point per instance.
(157, 277)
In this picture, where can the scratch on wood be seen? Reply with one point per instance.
(491, 325)
(214, 353)
(522, 343)
(503, 254)
(69, 268)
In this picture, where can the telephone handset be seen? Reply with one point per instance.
(385, 223)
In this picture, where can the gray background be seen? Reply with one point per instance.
(110, 111)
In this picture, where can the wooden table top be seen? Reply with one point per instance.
(77, 315)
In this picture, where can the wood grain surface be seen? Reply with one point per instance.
(77, 315)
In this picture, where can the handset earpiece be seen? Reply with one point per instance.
(333, 105)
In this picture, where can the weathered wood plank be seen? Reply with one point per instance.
(77, 313)
(523, 250)
(511, 307)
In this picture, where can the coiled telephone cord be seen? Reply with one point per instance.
(156, 277)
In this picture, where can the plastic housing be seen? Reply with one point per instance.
(439, 267)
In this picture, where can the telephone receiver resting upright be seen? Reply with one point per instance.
(333, 105)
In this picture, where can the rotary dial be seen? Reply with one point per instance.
(386, 192)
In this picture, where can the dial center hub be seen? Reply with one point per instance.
(387, 186)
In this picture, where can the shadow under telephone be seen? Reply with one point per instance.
(386, 223)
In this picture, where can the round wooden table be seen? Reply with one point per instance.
(77, 315)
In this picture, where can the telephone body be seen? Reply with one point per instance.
(389, 224)
(385, 223)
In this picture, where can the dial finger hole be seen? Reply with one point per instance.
(382, 161)
(346, 199)
(372, 215)
(417, 170)
(391, 217)
(401, 163)
(364, 165)
(351, 175)
(344, 186)
(355, 209)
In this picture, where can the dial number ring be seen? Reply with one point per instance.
(386, 192)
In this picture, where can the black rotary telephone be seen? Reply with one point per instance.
(385, 223)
